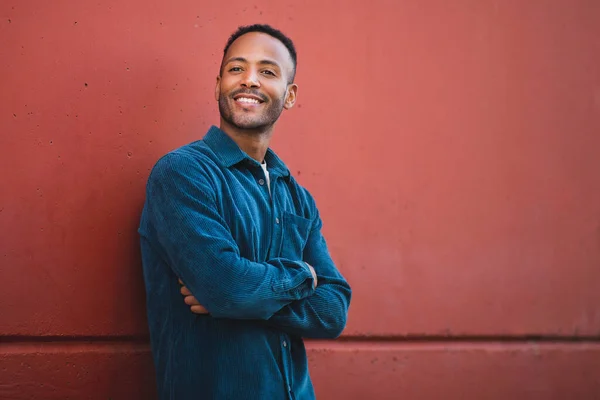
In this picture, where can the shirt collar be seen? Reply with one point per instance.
(230, 154)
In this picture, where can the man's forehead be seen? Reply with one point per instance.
(255, 46)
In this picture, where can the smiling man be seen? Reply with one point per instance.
(236, 268)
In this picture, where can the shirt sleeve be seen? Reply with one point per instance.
(197, 244)
(322, 315)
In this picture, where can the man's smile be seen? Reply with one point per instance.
(245, 99)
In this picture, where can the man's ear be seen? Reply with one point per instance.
(290, 97)
(218, 88)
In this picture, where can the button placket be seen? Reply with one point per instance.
(287, 365)
(276, 221)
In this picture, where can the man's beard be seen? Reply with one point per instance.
(250, 120)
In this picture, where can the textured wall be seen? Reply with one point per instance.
(453, 149)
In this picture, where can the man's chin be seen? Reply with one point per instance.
(249, 124)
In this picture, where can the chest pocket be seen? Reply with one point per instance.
(295, 234)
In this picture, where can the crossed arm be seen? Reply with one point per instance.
(199, 247)
(320, 315)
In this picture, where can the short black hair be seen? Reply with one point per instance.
(269, 30)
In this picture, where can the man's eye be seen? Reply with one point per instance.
(235, 69)
(268, 72)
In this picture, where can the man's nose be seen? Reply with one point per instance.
(250, 79)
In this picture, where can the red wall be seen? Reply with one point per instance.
(453, 148)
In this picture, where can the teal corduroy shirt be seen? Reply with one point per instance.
(242, 250)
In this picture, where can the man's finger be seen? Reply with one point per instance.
(199, 310)
(180, 282)
(185, 291)
(191, 301)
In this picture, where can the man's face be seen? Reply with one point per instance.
(253, 87)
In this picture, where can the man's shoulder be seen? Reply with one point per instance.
(300, 189)
(192, 156)
(303, 196)
(196, 151)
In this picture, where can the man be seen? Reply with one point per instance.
(224, 217)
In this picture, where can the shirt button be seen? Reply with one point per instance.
(261, 182)
(284, 343)
(276, 220)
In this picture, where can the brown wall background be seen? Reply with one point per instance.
(453, 149)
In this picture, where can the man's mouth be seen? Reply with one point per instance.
(247, 99)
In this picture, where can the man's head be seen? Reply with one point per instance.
(255, 81)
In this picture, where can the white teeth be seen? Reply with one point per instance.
(247, 100)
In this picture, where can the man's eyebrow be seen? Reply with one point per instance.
(263, 62)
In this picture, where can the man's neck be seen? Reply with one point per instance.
(253, 142)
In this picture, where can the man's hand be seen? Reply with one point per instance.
(314, 274)
(191, 301)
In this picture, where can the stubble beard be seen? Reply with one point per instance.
(246, 120)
